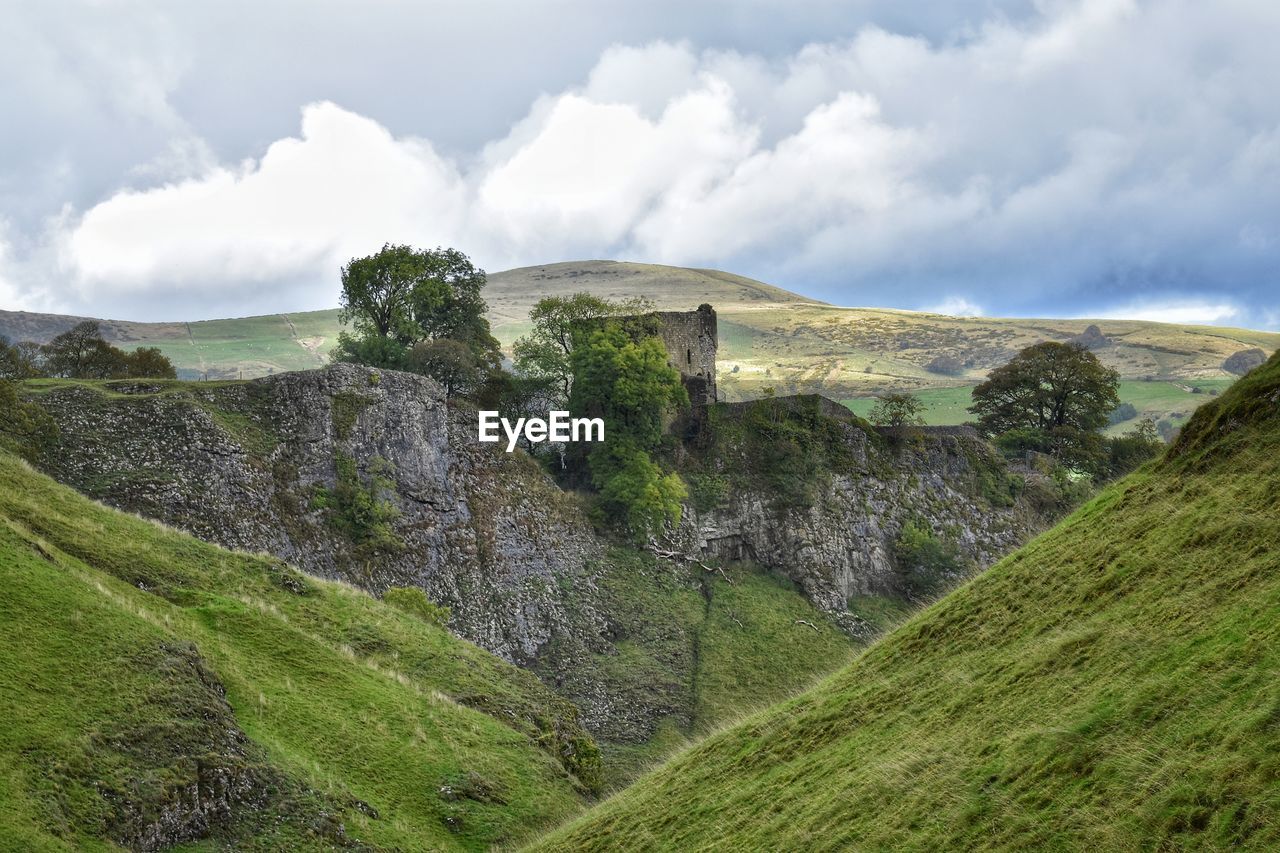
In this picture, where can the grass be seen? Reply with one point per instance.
(117, 636)
(695, 650)
(1112, 685)
(769, 337)
(1172, 400)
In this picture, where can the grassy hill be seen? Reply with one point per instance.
(769, 337)
(154, 687)
(1113, 685)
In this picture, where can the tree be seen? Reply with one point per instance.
(401, 297)
(1052, 398)
(1126, 452)
(627, 382)
(20, 361)
(897, 411)
(1047, 386)
(81, 353)
(76, 353)
(151, 363)
(544, 353)
(376, 292)
(449, 362)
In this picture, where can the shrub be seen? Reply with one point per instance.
(926, 563)
(707, 491)
(633, 490)
(946, 365)
(359, 510)
(1121, 413)
(25, 428)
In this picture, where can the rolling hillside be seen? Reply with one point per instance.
(155, 689)
(1112, 686)
(769, 338)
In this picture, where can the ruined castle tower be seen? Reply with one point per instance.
(690, 339)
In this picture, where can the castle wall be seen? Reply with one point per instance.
(690, 339)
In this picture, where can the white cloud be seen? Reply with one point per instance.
(956, 306)
(1192, 312)
(307, 205)
(1104, 142)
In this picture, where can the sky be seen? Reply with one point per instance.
(1101, 158)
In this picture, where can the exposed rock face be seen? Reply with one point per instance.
(1243, 361)
(1091, 338)
(249, 466)
(264, 465)
(841, 545)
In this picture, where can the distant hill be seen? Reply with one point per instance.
(1110, 686)
(769, 337)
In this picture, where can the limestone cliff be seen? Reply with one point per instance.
(372, 477)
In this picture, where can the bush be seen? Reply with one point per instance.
(1121, 413)
(358, 510)
(633, 490)
(1058, 493)
(25, 428)
(946, 365)
(1126, 452)
(926, 563)
(411, 600)
(707, 491)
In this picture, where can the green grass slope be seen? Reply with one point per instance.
(155, 688)
(1114, 685)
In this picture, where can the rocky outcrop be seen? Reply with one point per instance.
(840, 543)
(372, 477)
(1243, 361)
(1091, 338)
(259, 466)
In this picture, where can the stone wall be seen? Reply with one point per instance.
(690, 339)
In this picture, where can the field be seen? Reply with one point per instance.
(769, 338)
(1110, 686)
(1158, 400)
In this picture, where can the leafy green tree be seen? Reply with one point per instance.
(450, 362)
(377, 291)
(77, 353)
(628, 383)
(1126, 452)
(544, 354)
(20, 361)
(897, 411)
(149, 362)
(1051, 397)
(82, 353)
(402, 297)
(633, 489)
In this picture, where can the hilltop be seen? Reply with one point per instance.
(769, 338)
(1112, 685)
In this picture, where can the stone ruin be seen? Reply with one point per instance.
(690, 340)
